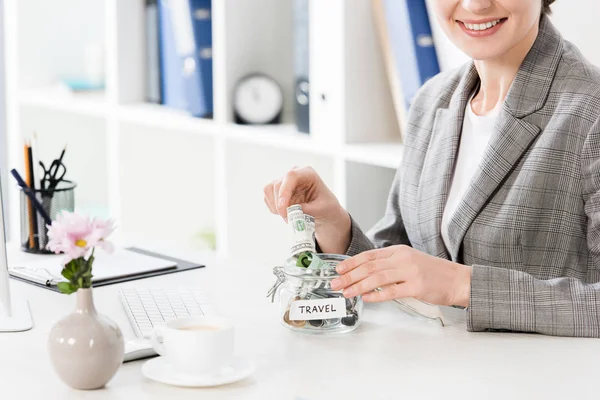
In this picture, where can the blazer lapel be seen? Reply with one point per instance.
(438, 165)
(513, 135)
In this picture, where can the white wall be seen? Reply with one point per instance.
(576, 19)
(578, 22)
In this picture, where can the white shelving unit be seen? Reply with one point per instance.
(165, 175)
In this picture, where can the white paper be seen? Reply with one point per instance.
(306, 310)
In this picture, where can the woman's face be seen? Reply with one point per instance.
(487, 29)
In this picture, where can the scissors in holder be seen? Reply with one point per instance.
(53, 175)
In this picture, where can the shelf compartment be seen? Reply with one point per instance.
(54, 38)
(255, 37)
(54, 98)
(166, 184)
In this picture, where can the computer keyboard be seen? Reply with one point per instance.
(148, 308)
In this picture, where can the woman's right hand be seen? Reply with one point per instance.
(305, 187)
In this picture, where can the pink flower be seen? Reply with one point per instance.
(101, 229)
(75, 235)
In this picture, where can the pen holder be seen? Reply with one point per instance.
(34, 232)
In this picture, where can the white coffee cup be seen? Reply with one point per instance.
(195, 345)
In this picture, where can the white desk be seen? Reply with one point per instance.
(391, 356)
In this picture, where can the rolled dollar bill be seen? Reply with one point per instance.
(311, 261)
(302, 239)
(317, 263)
(310, 226)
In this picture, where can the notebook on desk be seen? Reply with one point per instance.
(121, 266)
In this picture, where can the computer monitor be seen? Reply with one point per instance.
(15, 315)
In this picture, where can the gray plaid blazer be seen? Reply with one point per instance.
(529, 223)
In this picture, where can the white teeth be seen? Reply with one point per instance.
(482, 27)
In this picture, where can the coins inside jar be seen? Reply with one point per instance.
(295, 324)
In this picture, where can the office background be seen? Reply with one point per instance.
(195, 182)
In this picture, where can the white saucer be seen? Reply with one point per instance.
(160, 370)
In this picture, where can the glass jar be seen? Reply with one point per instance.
(307, 302)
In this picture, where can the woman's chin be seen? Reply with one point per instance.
(485, 53)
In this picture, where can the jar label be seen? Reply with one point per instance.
(306, 310)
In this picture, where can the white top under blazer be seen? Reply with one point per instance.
(476, 134)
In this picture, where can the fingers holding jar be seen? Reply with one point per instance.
(401, 271)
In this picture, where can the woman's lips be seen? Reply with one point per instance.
(475, 29)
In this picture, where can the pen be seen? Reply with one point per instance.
(31, 196)
(30, 211)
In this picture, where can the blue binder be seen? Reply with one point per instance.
(171, 81)
(412, 44)
(202, 20)
(186, 55)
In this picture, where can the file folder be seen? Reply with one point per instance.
(192, 26)
(172, 84)
(202, 23)
(408, 34)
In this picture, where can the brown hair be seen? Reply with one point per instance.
(546, 6)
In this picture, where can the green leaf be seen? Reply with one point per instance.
(67, 273)
(90, 261)
(66, 287)
(86, 273)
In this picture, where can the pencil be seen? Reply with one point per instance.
(29, 205)
(36, 235)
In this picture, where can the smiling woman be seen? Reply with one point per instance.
(496, 204)
(490, 29)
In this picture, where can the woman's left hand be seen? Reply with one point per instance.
(401, 271)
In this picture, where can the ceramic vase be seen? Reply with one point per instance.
(86, 348)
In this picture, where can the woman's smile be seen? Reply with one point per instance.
(482, 28)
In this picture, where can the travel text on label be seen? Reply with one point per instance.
(306, 310)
